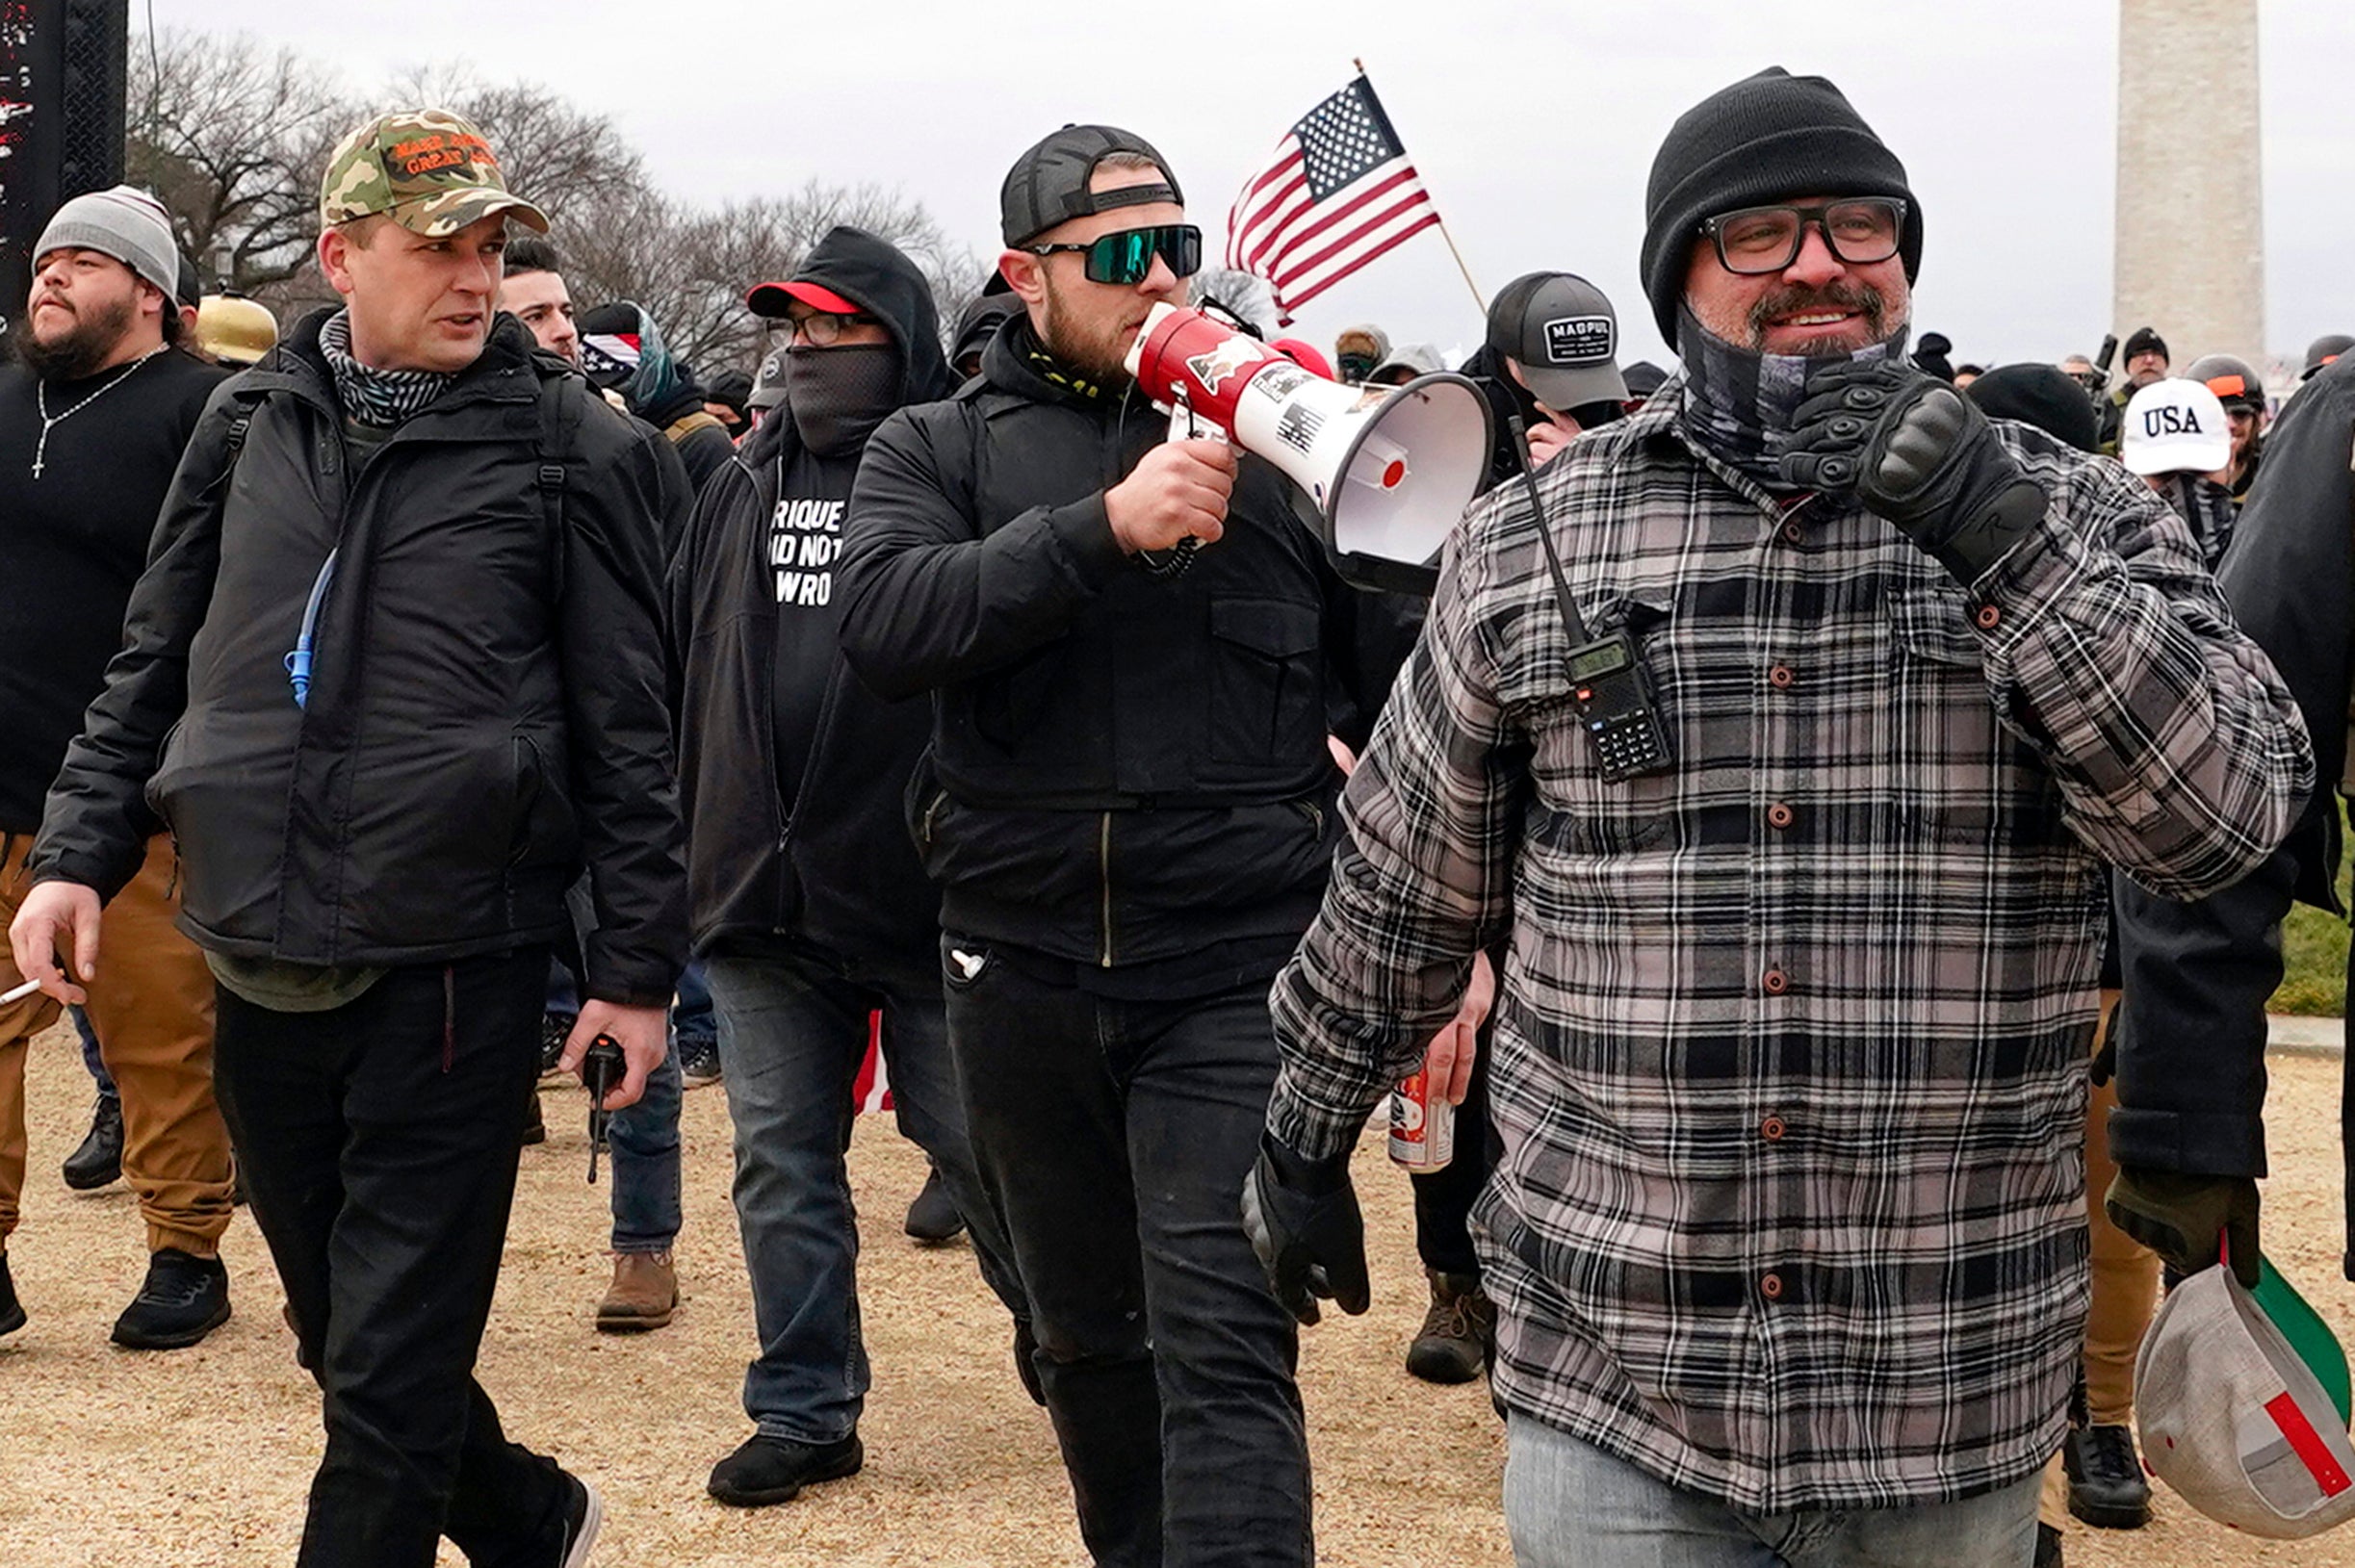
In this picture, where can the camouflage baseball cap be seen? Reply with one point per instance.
(427, 169)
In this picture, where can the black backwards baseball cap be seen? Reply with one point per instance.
(1048, 184)
(1564, 335)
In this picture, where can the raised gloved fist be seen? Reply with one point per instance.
(1302, 1217)
(2181, 1217)
(1913, 449)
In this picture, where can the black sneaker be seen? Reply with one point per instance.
(184, 1299)
(98, 1160)
(768, 1470)
(2107, 1489)
(12, 1310)
(933, 1217)
(699, 1062)
(2048, 1545)
(583, 1517)
(535, 1126)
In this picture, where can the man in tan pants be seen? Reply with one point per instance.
(151, 1004)
(2098, 1476)
(94, 416)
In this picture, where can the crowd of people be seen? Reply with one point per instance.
(422, 693)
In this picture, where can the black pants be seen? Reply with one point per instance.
(1115, 1136)
(1443, 1198)
(378, 1143)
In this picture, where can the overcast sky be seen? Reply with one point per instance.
(1533, 125)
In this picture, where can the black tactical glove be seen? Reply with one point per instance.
(2179, 1217)
(1918, 453)
(1302, 1217)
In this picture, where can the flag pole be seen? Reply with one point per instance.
(1480, 301)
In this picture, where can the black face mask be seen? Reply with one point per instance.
(837, 397)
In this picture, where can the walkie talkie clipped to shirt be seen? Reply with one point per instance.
(1609, 684)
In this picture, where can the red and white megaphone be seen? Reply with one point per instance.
(1383, 472)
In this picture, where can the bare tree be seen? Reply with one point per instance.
(233, 139)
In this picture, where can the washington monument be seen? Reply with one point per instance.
(2190, 216)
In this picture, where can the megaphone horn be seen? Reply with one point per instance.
(1382, 473)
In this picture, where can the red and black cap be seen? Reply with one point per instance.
(771, 298)
(1048, 184)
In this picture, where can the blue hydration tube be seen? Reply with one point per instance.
(299, 662)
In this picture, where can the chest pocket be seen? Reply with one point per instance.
(1956, 775)
(1578, 812)
(1266, 690)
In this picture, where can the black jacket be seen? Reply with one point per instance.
(486, 711)
(1126, 768)
(2192, 1075)
(840, 869)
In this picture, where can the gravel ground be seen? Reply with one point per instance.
(200, 1457)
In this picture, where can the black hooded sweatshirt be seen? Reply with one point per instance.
(791, 771)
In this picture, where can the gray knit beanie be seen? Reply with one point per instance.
(126, 224)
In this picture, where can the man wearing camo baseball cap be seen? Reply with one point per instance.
(426, 695)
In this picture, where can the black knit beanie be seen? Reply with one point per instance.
(1772, 137)
(2041, 396)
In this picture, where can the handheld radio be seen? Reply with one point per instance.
(1609, 686)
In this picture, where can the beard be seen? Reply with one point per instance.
(82, 349)
(1097, 351)
(1862, 297)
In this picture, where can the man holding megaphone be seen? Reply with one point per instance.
(1129, 811)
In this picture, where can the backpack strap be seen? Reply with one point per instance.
(554, 451)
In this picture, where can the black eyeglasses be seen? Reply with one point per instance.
(1768, 239)
(822, 329)
(1127, 258)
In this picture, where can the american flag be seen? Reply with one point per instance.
(1337, 192)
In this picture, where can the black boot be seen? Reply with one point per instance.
(2106, 1485)
(933, 1217)
(12, 1310)
(1459, 1332)
(184, 1299)
(2048, 1545)
(98, 1160)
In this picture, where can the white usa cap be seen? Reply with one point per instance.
(2175, 427)
(2235, 1418)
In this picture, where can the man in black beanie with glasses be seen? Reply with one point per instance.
(1785, 746)
(1129, 811)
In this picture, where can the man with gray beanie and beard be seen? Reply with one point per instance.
(92, 420)
(1785, 741)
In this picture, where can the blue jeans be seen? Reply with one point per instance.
(690, 1016)
(645, 1142)
(1115, 1136)
(793, 1028)
(90, 1058)
(1569, 1505)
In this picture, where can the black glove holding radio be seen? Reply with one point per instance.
(1302, 1217)
(1914, 451)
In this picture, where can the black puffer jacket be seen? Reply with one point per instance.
(1129, 767)
(487, 709)
(840, 869)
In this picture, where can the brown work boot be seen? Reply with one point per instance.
(1459, 1331)
(645, 1293)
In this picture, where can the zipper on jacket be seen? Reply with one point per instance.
(939, 798)
(450, 1015)
(1104, 857)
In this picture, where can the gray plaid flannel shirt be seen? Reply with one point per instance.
(1790, 1057)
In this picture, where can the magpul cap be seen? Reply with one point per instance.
(1564, 335)
(427, 169)
(2235, 1396)
(1048, 184)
